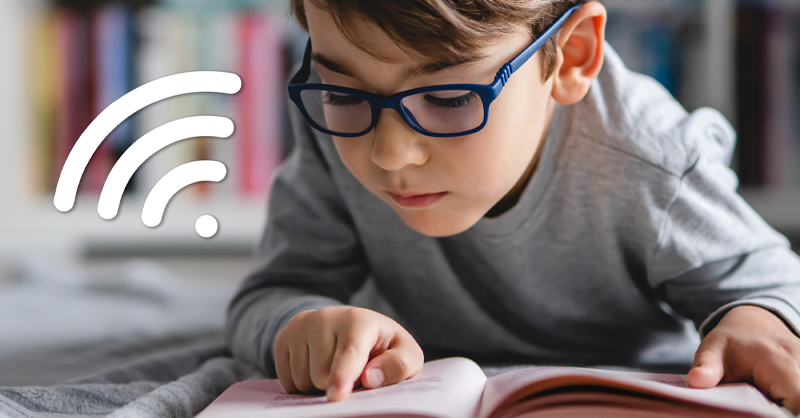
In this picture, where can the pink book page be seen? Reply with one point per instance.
(591, 403)
(500, 390)
(449, 388)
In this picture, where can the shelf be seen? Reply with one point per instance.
(81, 231)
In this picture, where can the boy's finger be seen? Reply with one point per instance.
(300, 370)
(707, 370)
(398, 363)
(349, 359)
(779, 377)
(320, 352)
(284, 370)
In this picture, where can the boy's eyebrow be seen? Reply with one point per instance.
(427, 69)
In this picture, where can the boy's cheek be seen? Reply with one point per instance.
(355, 153)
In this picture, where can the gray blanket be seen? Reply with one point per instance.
(175, 383)
(60, 320)
(131, 340)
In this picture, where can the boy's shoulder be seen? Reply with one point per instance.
(635, 115)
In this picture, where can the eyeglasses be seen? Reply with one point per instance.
(445, 110)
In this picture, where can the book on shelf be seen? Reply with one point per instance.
(43, 86)
(109, 63)
(656, 43)
(458, 388)
(668, 44)
(768, 94)
(260, 135)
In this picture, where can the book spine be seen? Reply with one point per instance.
(223, 56)
(651, 42)
(114, 50)
(43, 67)
(751, 97)
(162, 54)
(794, 29)
(245, 103)
(260, 102)
(67, 110)
(268, 65)
(781, 89)
(661, 56)
(154, 61)
(100, 164)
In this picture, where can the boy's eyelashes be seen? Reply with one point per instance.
(430, 99)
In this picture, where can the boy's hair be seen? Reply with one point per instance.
(450, 31)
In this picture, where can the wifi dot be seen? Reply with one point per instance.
(206, 226)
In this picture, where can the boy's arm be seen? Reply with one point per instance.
(716, 254)
(309, 257)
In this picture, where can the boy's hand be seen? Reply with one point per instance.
(332, 348)
(753, 345)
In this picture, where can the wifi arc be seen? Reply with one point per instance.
(150, 143)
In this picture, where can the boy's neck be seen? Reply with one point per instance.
(512, 197)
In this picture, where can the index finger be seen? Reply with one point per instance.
(350, 358)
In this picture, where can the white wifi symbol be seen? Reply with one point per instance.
(149, 144)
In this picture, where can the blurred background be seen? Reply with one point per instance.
(79, 293)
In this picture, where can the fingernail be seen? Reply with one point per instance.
(375, 377)
(331, 390)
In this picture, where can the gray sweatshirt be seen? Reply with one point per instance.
(628, 240)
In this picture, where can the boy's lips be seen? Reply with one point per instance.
(416, 200)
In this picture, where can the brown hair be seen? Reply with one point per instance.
(450, 30)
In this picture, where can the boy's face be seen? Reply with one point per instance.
(438, 186)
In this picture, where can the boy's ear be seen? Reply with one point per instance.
(579, 53)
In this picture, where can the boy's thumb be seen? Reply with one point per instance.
(707, 370)
(392, 366)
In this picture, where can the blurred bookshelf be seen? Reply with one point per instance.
(66, 60)
(741, 57)
(738, 56)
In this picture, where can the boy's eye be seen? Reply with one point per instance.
(451, 102)
(334, 99)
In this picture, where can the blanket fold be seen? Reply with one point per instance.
(171, 384)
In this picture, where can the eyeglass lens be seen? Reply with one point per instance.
(441, 111)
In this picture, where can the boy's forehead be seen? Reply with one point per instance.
(331, 49)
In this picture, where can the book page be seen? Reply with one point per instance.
(505, 389)
(618, 405)
(448, 388)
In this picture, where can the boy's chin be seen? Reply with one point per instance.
(437, 225)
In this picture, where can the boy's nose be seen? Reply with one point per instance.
(396, 144)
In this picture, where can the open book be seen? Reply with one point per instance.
(458, 388)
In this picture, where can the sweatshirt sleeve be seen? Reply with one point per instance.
(309, 257)
(715, 252)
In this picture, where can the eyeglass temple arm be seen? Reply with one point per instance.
(508, 68)
(305, 70)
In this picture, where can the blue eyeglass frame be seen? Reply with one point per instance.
(487, 92)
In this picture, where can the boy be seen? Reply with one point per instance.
(583, 218)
